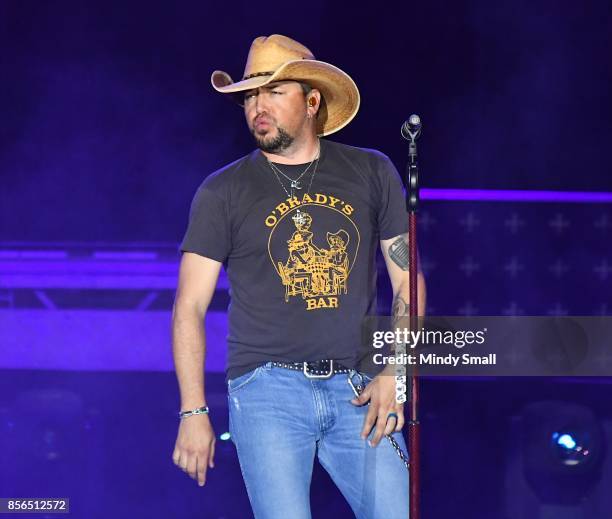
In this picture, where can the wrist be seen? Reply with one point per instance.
(193, 411)
(191, 407)
(388, 370)
(193, 402)
(391, 370)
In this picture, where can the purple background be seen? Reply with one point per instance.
(109, 121)
(108, 124)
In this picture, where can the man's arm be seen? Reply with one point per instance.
(395, 252)
(381, 391)
(195, 444)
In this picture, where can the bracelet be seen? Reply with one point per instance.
(199, 410)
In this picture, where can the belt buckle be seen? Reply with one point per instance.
(325, 375)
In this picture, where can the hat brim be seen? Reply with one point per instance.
(340, 94)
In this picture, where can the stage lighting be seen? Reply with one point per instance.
(564, 440)
(225, 436)
(572, 449)
(563, 451)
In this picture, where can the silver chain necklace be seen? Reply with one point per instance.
(295, 183)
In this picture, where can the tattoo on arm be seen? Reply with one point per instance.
(398, 252)
(400, 308)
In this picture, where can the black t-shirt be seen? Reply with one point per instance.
(302, 271)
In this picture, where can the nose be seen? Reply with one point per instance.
(261, 103)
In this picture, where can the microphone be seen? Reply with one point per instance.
(411, 128)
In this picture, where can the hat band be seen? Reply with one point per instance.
(257, 74)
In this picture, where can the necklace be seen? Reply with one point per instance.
(295, 184)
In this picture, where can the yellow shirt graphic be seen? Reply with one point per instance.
(315, 264)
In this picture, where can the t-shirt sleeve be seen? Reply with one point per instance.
(208, 231)
(392, 214)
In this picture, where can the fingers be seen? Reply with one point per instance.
(211, 459)
(192, 467)
(181, 460)
(195, 464)
(363, 398)
(400, 419)
(381, 424)
(194, 450)
(387, 422)
(369, 421)
(201, 471)
(391, 422)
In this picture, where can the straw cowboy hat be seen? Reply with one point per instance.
(279, 58)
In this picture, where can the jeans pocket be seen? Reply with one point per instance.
(234, 384)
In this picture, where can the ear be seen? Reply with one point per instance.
(313, 102)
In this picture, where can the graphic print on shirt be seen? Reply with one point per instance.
(313, 245)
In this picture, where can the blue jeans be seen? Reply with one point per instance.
(279, 419)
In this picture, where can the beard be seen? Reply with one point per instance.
(281, 142)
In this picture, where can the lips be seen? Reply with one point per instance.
(262, 123)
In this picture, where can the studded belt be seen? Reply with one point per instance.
(316, 368)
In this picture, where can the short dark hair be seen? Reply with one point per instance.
(306, 88)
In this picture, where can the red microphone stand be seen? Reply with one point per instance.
(410, 131)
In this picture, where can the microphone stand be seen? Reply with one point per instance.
(410, 131)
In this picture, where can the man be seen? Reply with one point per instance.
(296, 224)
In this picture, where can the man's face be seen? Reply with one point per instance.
(276, 114)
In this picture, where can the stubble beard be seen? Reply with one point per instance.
(281, 142)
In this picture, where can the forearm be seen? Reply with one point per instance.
(401, 303)
(401, 299)
(397, 257)
(189, 350)
(400, 312)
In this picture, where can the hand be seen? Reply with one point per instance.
(194, 450)
(381, 394)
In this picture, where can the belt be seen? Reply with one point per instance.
(316, 368)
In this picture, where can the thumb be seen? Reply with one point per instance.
(362, 398)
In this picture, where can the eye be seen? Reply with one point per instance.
(247, 97)
(276, 92)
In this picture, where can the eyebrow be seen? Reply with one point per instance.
(269, 86)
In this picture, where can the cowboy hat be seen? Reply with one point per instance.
(279, 58)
